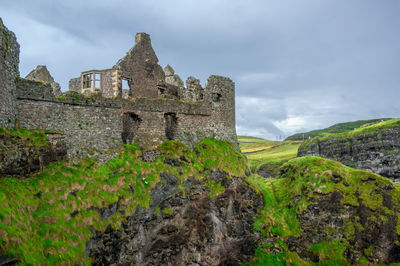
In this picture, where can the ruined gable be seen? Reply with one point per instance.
(40, 73)
(141, 69)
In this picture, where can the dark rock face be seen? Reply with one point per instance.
(184, 228)
(377, 152)
(4, 260)
(356, 224)
(20, 157)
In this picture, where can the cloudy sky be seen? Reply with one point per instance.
(298, 65)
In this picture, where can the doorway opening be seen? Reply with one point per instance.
(130, 127)
(171, 124)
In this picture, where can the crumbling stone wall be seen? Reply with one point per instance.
(9, 71)
(172, 78)
(75, 84)
(40, 73)
(107, 86)
(140, 67)
(94, 124)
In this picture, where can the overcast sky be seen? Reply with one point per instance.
(298, 65)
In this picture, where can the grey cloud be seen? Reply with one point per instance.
(319, 62)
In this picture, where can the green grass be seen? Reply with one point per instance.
(337, 128)
(267, 153)
(304, 181)
(35, 137)
(46, 218)
(393, 123)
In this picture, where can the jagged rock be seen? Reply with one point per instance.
(337, 215)
(40, 73)
(172, 78)
(185, 228)
(5, 260)
(377, 151)
(21, 156)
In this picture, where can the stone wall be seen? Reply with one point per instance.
(40, 73)
(106, 84)
(140, 67)
(88, 130)
(93, 124)
(97, 123)
(9, 61)
(75, 84)
(220, 91)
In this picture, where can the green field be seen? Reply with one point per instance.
(266, 153)
(337, 128)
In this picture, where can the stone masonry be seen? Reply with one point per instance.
(40, 73)
(98, 120)
(9, 71)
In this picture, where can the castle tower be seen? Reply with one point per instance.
(220, 92)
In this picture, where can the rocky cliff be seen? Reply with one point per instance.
(28, 151)
(375, 148)
(186, 207)
(320, 211)
(187, 227)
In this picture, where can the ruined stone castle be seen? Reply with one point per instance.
(97, 114)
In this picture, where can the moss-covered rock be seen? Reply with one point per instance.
(25, 151)
(375, 148)
(50, 217)
(322, 211)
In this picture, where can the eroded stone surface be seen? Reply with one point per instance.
(19, 156)
(9, 71)
(377, 152)
(140, 67)
(185, 229)
(40, 73)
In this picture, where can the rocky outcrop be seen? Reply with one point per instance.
(22, 155)
(377, 151)
(329, 214)
(40, 73)
(185, 228)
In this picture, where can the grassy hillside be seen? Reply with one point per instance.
(337, 128)
(360, 206)
(358, 131)
(267, 154)
(48, 218)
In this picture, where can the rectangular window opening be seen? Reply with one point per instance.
(125, 85)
